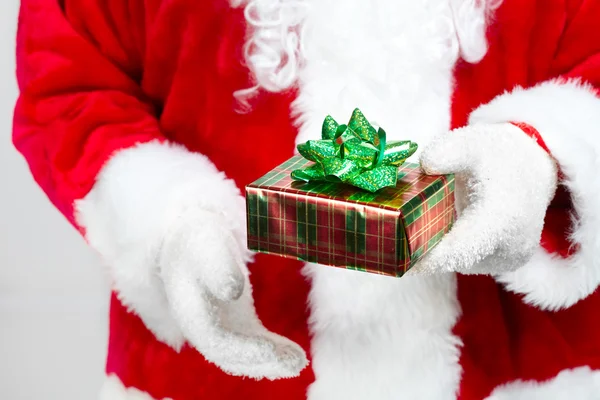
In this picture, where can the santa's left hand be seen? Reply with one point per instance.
(504, 184)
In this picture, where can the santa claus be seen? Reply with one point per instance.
(143, 119)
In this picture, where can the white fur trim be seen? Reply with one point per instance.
(140, 193)
(567, 115)
(574, 384)
(173, 230)
(277, 46)
(373, 336)
(113, 389)
(383, 338)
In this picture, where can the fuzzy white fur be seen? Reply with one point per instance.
(575, 384)
(497, 230)
(172, 229)
(113, 389)
(383, 338)
(276, 48)
(379, 337)
(567, 115)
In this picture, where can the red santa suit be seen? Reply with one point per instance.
(129, 117)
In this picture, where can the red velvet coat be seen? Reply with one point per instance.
(99, 76)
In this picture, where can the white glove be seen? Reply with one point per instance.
(172, 229)
(505, 182)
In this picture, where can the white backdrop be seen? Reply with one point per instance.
(53, 293)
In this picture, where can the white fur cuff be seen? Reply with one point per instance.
(567, 115)
(142, 189)
(141, 194)
(576, 384)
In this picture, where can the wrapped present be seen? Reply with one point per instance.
(361, 220)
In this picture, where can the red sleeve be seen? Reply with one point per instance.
(543, 70)
(79, 101)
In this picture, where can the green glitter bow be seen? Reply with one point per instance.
(355, 154)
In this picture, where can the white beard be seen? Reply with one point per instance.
(391, 58)
(380, 337)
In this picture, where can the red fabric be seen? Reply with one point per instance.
(504, 339)
(534, 134)
(556, 236)
(101, 75)
(76, 107)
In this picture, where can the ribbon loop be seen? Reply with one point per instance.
(356, 154)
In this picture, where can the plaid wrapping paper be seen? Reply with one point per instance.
(335, 224)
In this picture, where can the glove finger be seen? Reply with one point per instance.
(449, 153)
(290, 359)
(221, 266)
(255, 352)
(210, 250)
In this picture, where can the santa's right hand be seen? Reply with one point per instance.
(172, 229)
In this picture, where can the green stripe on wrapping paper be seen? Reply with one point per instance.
(403, 171)
(351, 231)
(363, 197)
(257, 217)
(402, 248)
(265, 178)
(301, 227)
(311, 212)
(357, 268)
(414, 214)
(252, 210)
(361, 229)
(263, 218)
(436, 198)
(416, 255)
(356, 226)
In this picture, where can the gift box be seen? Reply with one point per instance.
(333, 223)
